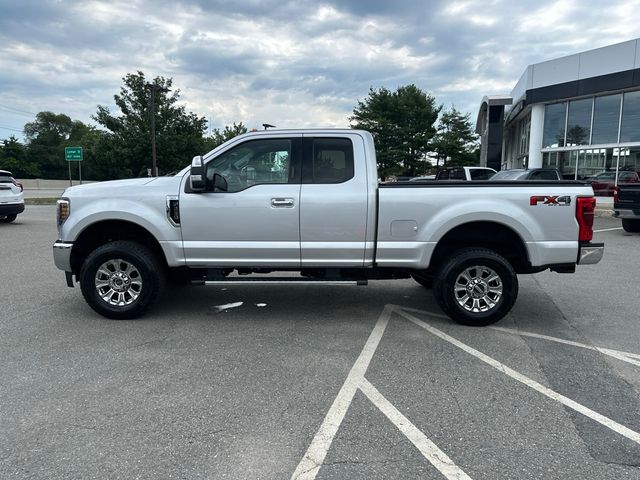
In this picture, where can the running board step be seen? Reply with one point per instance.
(280, 281)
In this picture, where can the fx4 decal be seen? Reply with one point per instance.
(562, 201)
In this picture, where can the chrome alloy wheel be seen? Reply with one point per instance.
(478, 289)
(118, 282)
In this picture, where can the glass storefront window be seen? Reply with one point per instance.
(550, 159)
(562, 161)
(596, 161)
(579, 122)
(606, 118)
(629, 161)
(630, 128)
(554, 122)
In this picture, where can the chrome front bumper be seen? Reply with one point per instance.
(62, 255)
(590, 253)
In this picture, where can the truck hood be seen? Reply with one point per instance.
(121, 188)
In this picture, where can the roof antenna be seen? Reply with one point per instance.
(267, 126)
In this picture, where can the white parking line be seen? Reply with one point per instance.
(607, 229)
(607, 422)
(312, 461)
(632, 358)
(314, 457)
(429, 450)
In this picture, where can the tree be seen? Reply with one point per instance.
(218, 137)
(13, 157)
(456, 142)
(402, 123)
(127, 143)
(46, 137)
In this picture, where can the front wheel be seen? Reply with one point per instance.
(631, 225)
(121, 279)
(476, 287)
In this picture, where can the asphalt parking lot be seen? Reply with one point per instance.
(321, 382)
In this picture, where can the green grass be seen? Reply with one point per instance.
(40, 201)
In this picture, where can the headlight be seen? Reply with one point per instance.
(63, 209)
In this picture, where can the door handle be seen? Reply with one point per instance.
(282, 202)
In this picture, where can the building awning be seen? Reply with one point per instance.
(490, 101)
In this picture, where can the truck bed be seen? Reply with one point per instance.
(413, 218)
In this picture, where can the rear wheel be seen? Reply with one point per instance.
(121, 279)
(631, 225)
(8, 218)
(476, 287)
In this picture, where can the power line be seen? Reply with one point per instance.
(7, 111)
(11, 128)
(17, 110)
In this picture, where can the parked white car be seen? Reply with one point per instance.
(11, 197)
(465, 173)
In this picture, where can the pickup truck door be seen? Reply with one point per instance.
(256, 221)
(333, 201)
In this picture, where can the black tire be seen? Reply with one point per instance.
(631, 225)
(136, 299)
(490, 306)
(8, 218)
(423, 278)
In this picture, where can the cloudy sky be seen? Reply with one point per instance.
(293, 64)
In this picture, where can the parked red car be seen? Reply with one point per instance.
(604, 182)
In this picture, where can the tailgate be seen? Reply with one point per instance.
(628, 196)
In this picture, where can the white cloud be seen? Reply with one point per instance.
(292, 64)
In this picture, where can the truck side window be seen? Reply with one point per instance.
(480, 174)
(457, 174)
(252, 163)
(332, 160)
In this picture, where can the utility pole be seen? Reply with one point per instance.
(153, 88)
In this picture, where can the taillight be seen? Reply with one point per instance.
(585, 211)
(616, 192)
(18, 184)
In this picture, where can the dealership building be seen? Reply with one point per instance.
(579, 114)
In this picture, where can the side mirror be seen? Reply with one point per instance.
(196, 176)
(219, 183)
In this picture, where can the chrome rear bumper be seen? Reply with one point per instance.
(626, 213)
(590, 253)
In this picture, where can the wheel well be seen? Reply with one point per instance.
(108, 231)
(491, 235)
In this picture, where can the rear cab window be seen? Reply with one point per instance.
(327, 160)
(480, 174)
(544, 175)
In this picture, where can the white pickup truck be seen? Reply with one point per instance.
(308, 202)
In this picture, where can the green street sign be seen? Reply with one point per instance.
(73, 154)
